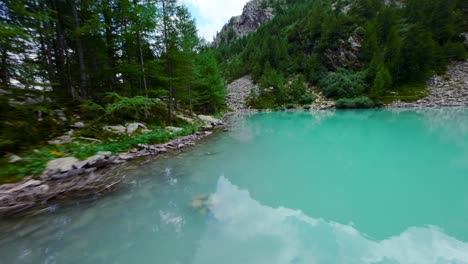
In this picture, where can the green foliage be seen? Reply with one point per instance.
(135, 108)
(34, 162)
(382, 83)
(355, 103)
(343, 83)
(307, 99)
(393, 45)
(26, 125)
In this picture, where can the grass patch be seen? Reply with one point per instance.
(407, 93)
(35, 161)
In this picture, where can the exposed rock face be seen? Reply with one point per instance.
(345, 54)
(450, 89)
(238, 91)
(322, 103)
(255, 14)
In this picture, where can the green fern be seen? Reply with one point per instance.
(136, 107)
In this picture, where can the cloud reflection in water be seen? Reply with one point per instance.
(241, 230)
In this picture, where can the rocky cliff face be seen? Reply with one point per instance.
(255, 14)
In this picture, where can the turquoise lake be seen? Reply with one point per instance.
(370, 186)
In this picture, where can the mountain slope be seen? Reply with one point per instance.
(254, 14)
(381, 49)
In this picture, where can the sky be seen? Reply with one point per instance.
(211, 15)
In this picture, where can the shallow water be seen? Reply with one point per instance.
(371, 186)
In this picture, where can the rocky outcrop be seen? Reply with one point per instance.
(238, 91)
(449, 90)
(322, 103)
(344, 54)
(255, 14)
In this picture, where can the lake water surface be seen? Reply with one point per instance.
(375, 186)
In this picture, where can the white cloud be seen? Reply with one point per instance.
(211, 15)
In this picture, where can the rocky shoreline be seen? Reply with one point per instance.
(70, 178)
(449, 90)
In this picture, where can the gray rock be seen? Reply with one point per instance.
(77, 172)
(61, 165)
(92, 161)
(12, 158)
(80, 164)
(133, 127)
(209, 119)
(41, 189)
(78, 125)
(90, 170)
(62, 140)
(22, 186)
(126, 156)
(172, 129)
(115, 129)
(106, 154)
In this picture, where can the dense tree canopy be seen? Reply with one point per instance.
(381, 46)
(105, 61)
(81, 50)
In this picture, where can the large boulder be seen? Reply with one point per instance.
(61, 165)
(210, 119)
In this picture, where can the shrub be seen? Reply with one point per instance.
(343, 83)
(307, 99)
(355, 103)
(135, 108)
(290, 106)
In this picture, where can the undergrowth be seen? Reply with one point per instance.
(34, 161)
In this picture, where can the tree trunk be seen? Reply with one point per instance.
(80, 52)
(109, 45)
(4, 73)
(141, 60)
(140, 56)
(61, 54)
(169, 64)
